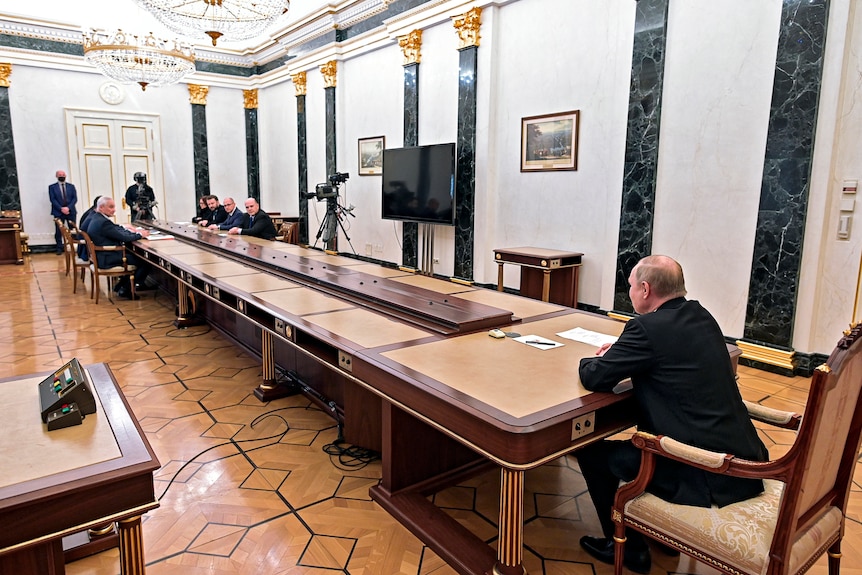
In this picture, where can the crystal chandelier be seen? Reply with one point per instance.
(127, 58)
(234, 19)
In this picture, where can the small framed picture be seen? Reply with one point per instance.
(371, 155)
(550, 142)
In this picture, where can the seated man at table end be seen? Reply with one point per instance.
(255, 222)
(685, 387)
(105, 232)
(234, 216)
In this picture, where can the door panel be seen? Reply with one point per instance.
(109, 148)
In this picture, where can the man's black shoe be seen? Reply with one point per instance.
(143, 287)
(126, 294)
(602, 548)
(59, 252)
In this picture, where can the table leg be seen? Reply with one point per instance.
(185, 313)
(131, 546)
(546, 285)
(270, 388)
(499, 276)
(510, 547)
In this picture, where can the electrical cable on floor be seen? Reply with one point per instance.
(348, 457)
(278, 437)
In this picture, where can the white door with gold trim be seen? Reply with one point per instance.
(108, 148)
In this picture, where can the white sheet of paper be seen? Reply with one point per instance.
(589, 337)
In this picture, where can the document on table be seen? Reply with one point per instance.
(153, 237)
(589, 337)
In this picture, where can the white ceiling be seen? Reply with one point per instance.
(131, 18)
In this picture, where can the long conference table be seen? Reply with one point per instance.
(405, 365)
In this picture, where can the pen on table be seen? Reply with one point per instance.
(541, 342)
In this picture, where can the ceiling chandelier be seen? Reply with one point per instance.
(233, 19)
(147, 60)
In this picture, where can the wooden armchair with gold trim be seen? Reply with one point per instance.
(70, 247)
(125, 269)
(800, 515)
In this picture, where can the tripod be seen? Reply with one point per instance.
(332, 220)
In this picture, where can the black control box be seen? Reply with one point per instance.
(66, 396)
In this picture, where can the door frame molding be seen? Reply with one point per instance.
(154, 178)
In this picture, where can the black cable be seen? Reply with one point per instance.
(348, 457)
(254, 422)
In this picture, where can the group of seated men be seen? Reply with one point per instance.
(228, 217)
(99, 225)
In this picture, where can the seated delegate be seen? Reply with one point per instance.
(255, 222)
(234, 216)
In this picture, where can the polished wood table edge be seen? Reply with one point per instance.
(469, 315)
(137, 454)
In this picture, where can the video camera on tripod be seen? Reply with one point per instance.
(328, 190)
(144, 202)
(335, 212)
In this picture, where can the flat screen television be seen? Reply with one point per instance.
(419, 184)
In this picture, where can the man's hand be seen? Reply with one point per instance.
(234, 231)
(603, 349)
(144, 233)
(203, 223)
(212, 227)
(65, 211)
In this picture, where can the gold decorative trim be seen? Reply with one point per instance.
(411, 46)
(249, 99)
(619, 316)
(329, 72)
(776, 357)
(468, 28)
(198, 94)
(299, 83)
(5, 72)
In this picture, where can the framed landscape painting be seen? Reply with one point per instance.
(371, 155)
(550, 142)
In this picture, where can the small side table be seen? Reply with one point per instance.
(538, 266)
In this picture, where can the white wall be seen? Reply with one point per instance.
(38, 97)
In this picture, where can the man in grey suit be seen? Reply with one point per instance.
(685, 387)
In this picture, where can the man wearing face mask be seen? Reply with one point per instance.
(63, 198)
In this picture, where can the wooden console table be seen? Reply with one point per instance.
(538, 265)
(58, 483)
(10, 238)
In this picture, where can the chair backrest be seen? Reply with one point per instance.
(289, 232)
(827, 445)
(91, 248)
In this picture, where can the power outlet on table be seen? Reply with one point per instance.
(583, 425)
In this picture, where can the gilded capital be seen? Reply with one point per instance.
(5, 72)
(198, 94)
(249, 99)
(411, 46)
(328, 70)
(468, 28)
(299, 83)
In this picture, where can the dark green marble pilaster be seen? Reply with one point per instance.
(10, 194)
(465, 179)
(252, 154)
(777, 260)
(410, 230)
(302, 167)
(201, 151)
(641, 160)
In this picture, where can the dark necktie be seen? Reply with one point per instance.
(63, 192)
(251, 221)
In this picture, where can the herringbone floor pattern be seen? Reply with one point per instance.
(247, 487)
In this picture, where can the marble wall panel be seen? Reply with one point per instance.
(10, 198)
(465, 163)
(201, 151)
(410, 230)
(252, 154)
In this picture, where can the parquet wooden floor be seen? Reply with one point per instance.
(247, 488)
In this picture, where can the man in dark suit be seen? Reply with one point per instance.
(685, 387)
(234, 216)
(255, 222)
(63, 198)
(105, 232)
(216, 214)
